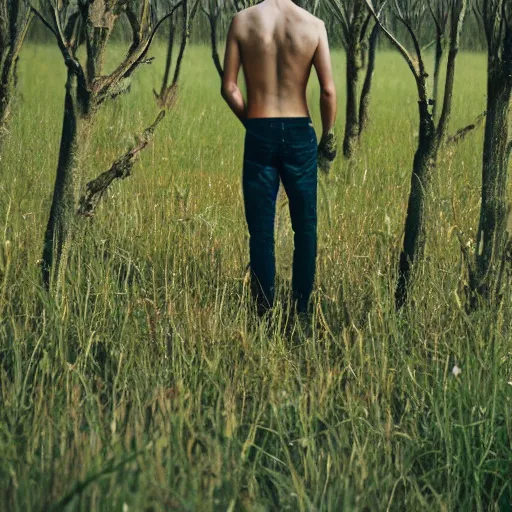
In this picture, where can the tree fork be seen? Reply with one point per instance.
(431, 137)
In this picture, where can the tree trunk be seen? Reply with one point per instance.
(415, 225)
(168, 58)
(9, 56)
(62, 213)
(352, 111)
(364, 105)
(492, 230)
(84, 94)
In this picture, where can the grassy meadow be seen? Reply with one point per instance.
(149, 385)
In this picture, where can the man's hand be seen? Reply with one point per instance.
(327, 151)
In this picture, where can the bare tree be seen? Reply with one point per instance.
(213, 11)
(165, 99)
(440, 11)
(168, 59)
(91, 22)
(15, 19)
(355, 20)
(432, 133)
(494, 244)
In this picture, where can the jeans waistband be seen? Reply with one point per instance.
(277, 122)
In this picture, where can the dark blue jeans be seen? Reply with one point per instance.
(281, 149)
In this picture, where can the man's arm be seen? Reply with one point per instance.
(232, 62)
(323, 67)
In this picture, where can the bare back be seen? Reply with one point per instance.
(277, 42)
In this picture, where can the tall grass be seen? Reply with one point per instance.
(149, 385)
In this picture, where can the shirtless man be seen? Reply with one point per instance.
(277, 43)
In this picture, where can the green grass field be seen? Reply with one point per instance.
(150, 386)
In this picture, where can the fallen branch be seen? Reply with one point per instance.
(120, 169)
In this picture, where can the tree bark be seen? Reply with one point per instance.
(354, 49)
(100, 16)
(364, 105)
(492, 230)
(168, 58)
(63, 207)
(415, 224)
(457, 24)
(10, 49)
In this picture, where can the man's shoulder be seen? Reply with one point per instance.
(310, 18)
(250, 15)
(242, 19)
(246, 13)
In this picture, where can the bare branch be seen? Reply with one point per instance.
(56, 20)
(458, 15)
(417, 48)
(365, 26)
(44, 22)
(184, 39)
(340, 10)
(437, 22)
(463, 132)
(70, 62)
(120, 169)
(128, 66)
(403, 51)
